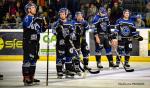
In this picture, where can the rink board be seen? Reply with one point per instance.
(11, 46)
(53, 58)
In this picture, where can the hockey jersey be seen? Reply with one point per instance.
(80, 27)
(102, 24)
(125, 28)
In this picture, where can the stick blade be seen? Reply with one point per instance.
(129, 70)
(94, 71)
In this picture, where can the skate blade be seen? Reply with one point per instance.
(26, 84)
(111, 68)
(117, 68)
(69, 77)
(79, 74)
(59, 77)
(36, 83)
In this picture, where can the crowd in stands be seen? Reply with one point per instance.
(12, 11)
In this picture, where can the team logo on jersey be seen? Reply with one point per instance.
(103, 26)
(125, 31)
(71, 50)
(34, 37)
(61, 52)
(130, 45)
(61, 42)
(65, 32)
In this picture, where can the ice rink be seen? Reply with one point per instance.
(107, 78)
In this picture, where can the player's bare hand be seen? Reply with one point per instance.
(114, 43)
(97, 39)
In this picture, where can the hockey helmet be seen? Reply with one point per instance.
(27, 6)
(103, 10)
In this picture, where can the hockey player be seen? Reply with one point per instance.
(32, 26)
(102, 34)
(81, 26)
(126, 30)
(63, 29)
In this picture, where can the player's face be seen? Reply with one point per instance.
(63, 15)
(102, 14)
(139, 19)
(33, 10)
(126, 14)
(79, 17)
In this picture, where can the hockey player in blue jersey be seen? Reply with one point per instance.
(102, 34)
(81, 26)
(32, 26)
(125, 30)
(63, 29)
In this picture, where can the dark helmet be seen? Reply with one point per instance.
(27, 6)
(65, 10)
(103, 10)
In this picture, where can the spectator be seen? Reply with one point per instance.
(148, 14)
(18, 21)
(109, 12)
(73, 6)
(12, 19)
(40, 9)
(91, 12)
(115, 13)
(146, 1)
(5, 25)
(82, 8)
(42, 3)
(13, 10)
(106, 5)
(120, 2)
(98, 3)
(33, 1)
(7, 17)
(1, 11)
(139, 22)
(86, 7)
(57, 4)
(52, 13)
(19, 7)
(18, 26)
(18, 18)
(45, 7)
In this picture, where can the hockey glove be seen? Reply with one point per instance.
(138, 37)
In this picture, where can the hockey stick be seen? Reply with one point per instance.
(90, 71)
(82, 69)
(127, 70)
(47, 67)
(47, 60)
